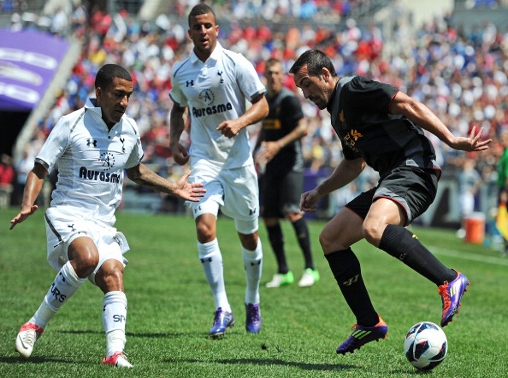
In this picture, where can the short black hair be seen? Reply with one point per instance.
(315, 61)
(200, 9)
(107, 74)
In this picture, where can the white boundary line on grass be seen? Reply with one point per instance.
(470, 256)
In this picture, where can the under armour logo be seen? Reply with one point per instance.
(62, 276)
(90, 142)
(351, 281)
(71, 226)
(254, 263)
(205, 260)
(252, 211)
(197, 209)
(123, 146)
(220, 75)
(189, 83)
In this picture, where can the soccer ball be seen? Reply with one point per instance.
(425, 345)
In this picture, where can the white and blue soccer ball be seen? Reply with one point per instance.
(425, 345)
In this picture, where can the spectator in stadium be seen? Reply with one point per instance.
(279, 148)
(456, 99)
(380, 126)
(214, 84)
(92, 147)
(7, 176)
(23, 168)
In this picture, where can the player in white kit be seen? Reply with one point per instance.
(213, 84)
(92, 147)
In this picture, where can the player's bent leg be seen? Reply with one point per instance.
(342, 231)
(109, 278)
(65, 284)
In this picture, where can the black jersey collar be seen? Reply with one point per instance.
(330, 102)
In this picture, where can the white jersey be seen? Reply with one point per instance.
(215, 91)
(91, 160)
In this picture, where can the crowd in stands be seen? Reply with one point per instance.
(461, 74)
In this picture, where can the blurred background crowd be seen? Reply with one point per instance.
(458, 70)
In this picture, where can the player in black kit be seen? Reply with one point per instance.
(379, 126)
(282, 181)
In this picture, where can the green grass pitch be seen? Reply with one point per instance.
(171, 309)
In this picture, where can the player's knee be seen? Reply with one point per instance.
(372, 232)
(294, 216)
(85, 262)
(326, 241)
(205, 232)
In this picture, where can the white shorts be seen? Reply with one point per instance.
(233, 191)
(63, 226)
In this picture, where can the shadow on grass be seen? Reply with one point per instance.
(39, 360)
(133, 334)
(269, 362)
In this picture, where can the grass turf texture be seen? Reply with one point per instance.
(171, 309)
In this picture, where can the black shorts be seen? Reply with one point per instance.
(414, 189)
(280, 195)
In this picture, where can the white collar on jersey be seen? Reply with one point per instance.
(90, 105)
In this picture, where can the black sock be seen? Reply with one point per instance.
(277, 242)
(302, 235)
(347, 272)
(405, 246)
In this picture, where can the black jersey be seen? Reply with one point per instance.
(360, 117)
(284, 115)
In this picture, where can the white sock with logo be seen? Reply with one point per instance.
(114, 317)
(65, 284)
(211, 261)
(253, 264)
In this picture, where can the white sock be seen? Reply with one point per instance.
(253, 264)
(211, 261)
(114, 317)
(65, 284)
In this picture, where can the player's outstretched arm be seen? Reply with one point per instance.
(422, 116)
(142, 175)
(33, 187)
(188, 191)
